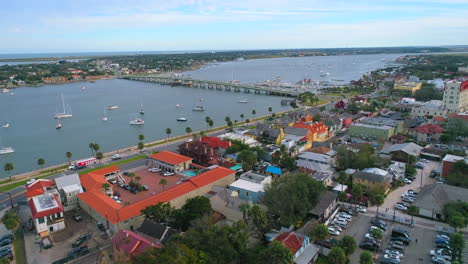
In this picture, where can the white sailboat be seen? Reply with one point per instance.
(137, 122)
(66, 110)
(112, 107)
(59, 124)
(5, 150)
(83, 87)
(104, 117)
(242, 101)
(6, 125)
(181, 119)
(142, 111)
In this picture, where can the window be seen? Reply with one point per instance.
(450, 102)
(41, 220)
(247, 194)
(451, 97)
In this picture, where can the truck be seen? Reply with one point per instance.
(116, 157)
(79, 164)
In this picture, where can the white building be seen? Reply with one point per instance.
(431, 108)
(69, 186)
(456, 96)
(47, 212)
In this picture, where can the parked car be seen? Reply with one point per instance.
(389, 261)
(6, 242)
(443, 236)
(6, 254)
(392, 256)
(10, 236)
(5, 249)
(361, 209)
(116, 157)
(401, 207)
(394, 252)
(337, 227)
(407, 181)
(369, 246)
(393, 246)
(80, 240)
(30, 181)
(372, 228)
(77, 251)
(439, 260)
(154, 170)
(77, 218)
(345, 216)
(340, 223)
(408, 199)
(145, 187)
(419, 165)
(333, 231)
(401, 239)
(126, 173)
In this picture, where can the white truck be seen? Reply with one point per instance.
(79, 164)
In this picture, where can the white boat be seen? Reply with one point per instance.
(12, 93)
(137, 122)
(112, 107)
(6, 125)
(105, 118)
(6, 150)
(178, 105)
(5, 90)
(142, 112)
(59, 124)
(66, 110)
(181, 119)
(83, 87)
(198, 108)
(243, 101)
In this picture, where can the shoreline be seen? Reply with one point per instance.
(43, 172)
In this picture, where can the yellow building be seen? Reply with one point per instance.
(407, 86)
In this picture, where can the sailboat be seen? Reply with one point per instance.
(5, 150)
(83, 87)
(6, 125)
(59, 124)
(66, 110)
(142, 112)
(243, 101)
(104, 118)
(137, 122)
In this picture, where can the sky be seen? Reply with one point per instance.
(31, 26)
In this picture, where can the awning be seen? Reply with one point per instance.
(44, 234)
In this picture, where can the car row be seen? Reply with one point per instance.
(396, 247)
(442, 253)
(369, 242)
(339, 222)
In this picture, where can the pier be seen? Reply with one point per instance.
(213, 85)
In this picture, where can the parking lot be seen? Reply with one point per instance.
(415, 252)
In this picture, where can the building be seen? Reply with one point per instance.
(427, 132)
(371, 131)
(39, 187)
(227, 203)
(170, 161)
(456, 96)
(157, 231)
(407, 86)
(127, 215)
(302, 250)
(217, 144)
(274, 172)
(373, 179)
(47, 213)
(398, 139)
(251, 186)
(397, 170)
(200, 152)
(315, 163)
(316, 158)
(401, 152)
(397, 125)
(300, 138)
(94, 180)
(334, 123)
(325, 207)
(346, 119)
(428, 109)
(129, 244)
(432, 199)
(69, 186)
(318, 130)
(266, 133)
(448, 163)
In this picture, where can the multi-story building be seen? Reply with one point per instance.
(407, 86)
(169, 161)
(432, 108)
(448, 162)
(251, 186)
(47, 212)
(456, 96)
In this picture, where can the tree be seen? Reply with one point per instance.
(320, 232)
(163, 182)
(413, 210)
(303, 194)
(342, 179)
(68, 155)
(259, 219)
(348, 244)
(247, 158)
(106, 187)
(160, 213)
(336, 256)
(456, 214)
(188, 130)
(457, 242)
(141, 137)
(10, 219)
(270, 109)
(91, 146)
(227, 119)
(276, 253)
(131, 175)
(210, 123)
(41, 162)
(173, 252)
(242, 117)
(377, 198)
(168, 132)
(207, 121)
(99, 156)
(229, 124)
(244, 208)
(96, 148)
(254, 113)
(457, 176)
(247, 121)
(141, 145)
(138, 179)
(193, 208)
(316, 117)
(8, 167)
(366, 258)
(357, 192)
(377, 234)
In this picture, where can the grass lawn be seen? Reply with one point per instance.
(120, 162)
(18, 243)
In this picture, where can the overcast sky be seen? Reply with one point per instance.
(159, 25)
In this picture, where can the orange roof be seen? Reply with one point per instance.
(170, 157)
(37, 187)
(317, 127)
(291, 241)
(321, 150)
(106, 170)
(115, 213)
(95, 179)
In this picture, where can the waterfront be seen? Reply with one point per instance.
(30, 111)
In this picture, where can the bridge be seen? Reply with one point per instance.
(214, 85)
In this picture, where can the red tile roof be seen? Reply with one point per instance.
(291, 241)
(38, 214)
(464, 86)
(37, 187)
(439, 118)
(132, 243)
(215, 142)
(95, 179)
(464, 117)
(115, 213)
(429, 129)
(170, 157)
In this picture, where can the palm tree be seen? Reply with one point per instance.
(188, 130)
(99, 156)
(377, 198)
(210, 123)
(320, 232)
(242, 117)
(229, 123)
(270, 109)
(141, 137)
(68, 155)
(131, 175)
(41, 162)
(8, 167)
(91, 146)
(137, 179)
(207, 120)
(163, 182)
(247, 121)
(293, 150)
(227, 119)
(168, 132)
(105, 186)
(254, 113)
(141, 145)
(96, 148)
(202, 134)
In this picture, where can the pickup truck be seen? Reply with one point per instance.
(116, 157)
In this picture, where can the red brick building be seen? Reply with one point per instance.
(448, 163)
(200, 152)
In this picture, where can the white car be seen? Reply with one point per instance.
(337, 227)
(154, 170)
(333, 232)
(339, 218)
(372, 228)
(392, 256)
(443, 237)
(401, 207)
(345, 216)
(340, 223)
(30, 181)
(361, 209)
(394, 252)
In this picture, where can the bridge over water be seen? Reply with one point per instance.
(214, 85)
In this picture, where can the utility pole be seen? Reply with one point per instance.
(421, 185)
